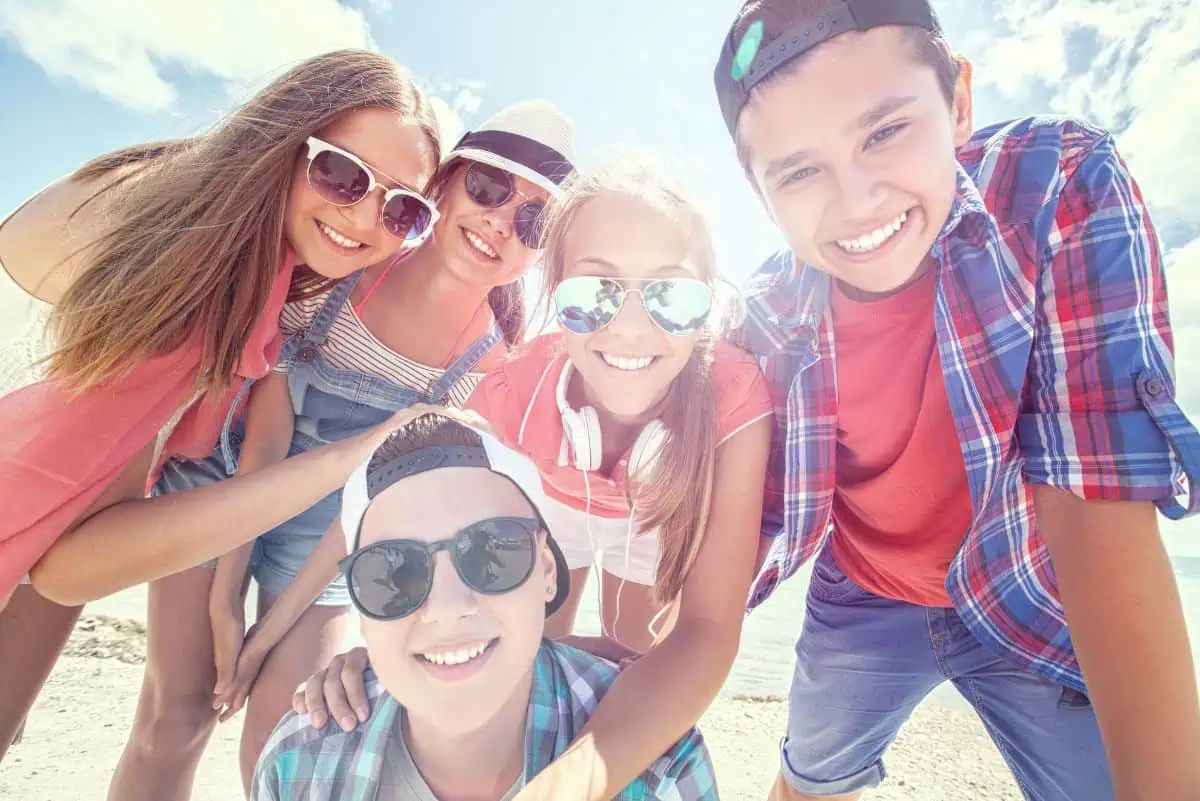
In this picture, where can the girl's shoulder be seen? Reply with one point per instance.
(524, 364)
(741, 390)
(505, 393)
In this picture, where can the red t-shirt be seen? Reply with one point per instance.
(518, 399)
(902, 504)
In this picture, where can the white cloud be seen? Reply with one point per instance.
(380, 6)
(449, 123)
(1130, 65)
(467, 101)
(1183, 289)
(123, 48)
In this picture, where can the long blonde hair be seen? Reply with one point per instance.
(679, 491)
(193, 246)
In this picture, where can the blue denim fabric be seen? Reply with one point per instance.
(330, 404)
(863, 663)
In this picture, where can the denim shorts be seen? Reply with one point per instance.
(278, 555)
(863, 663)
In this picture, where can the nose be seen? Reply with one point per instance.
(500, 219)
(862, 193)
(449, 598)
(365, 215)
(632, 320)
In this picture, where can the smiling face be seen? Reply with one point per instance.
(456, 661)
(853, 154)
(628, 365)
(479, 245)
(334, 241)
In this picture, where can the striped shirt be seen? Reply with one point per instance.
(300, 763)
(351, 346)
(1056, 349)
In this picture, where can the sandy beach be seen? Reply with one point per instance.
(79, 724)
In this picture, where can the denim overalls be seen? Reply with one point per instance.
(330, 404)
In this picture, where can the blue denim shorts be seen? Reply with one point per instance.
(280, 553)
(863, 663)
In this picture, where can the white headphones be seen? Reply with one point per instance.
(581, 436)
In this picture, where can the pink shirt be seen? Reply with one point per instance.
(59, 450)
(518, 399)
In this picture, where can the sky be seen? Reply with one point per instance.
(78, 78)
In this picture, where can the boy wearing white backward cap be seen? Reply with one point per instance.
(453, 571)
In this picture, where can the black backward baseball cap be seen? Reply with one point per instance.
(743, 64)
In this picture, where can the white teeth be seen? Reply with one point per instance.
(338, 239)
(868, 242)
(482, 246)
(456, 657)
(626, 362)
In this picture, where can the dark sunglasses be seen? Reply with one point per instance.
(678, 306)
(343, 179)
(391, 579)
(492, 187)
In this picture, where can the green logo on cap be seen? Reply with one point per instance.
(747, 50)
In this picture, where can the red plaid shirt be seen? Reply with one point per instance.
(1052, 328)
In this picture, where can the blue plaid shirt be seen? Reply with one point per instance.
(300, 763)
(1052, 329)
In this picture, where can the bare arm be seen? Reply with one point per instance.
(659, 697)
(144, 539)
(1127, 625)
(269, 426)
(318, 570)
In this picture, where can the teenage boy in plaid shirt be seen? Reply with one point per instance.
(970, 353)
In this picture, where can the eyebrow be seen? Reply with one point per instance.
(608, 268)
(889, 105)
(885, 107)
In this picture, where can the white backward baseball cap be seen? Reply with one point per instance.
(374, 476)
(531, 139)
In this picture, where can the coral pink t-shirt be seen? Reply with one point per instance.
(518, 399)
(902, 505)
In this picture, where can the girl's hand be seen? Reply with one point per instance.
(228, 633)
(254, 653)
(360, 447)
(338, 691)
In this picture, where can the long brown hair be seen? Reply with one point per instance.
(679, 491)
(507, 300)
(193, 245)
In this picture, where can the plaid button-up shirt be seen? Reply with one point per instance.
(300, 763)
(1052, 329)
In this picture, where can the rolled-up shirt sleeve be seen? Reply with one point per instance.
(1099, 417)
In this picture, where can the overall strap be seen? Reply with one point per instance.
(314, 336)
(439, 390)
(318, 330)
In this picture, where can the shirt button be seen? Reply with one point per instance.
(306, 354)
(1155, 387)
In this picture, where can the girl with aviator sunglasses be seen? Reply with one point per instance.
(137, 294)
(416, 330)
(652, 440)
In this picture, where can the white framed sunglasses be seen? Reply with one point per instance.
(343, 179)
